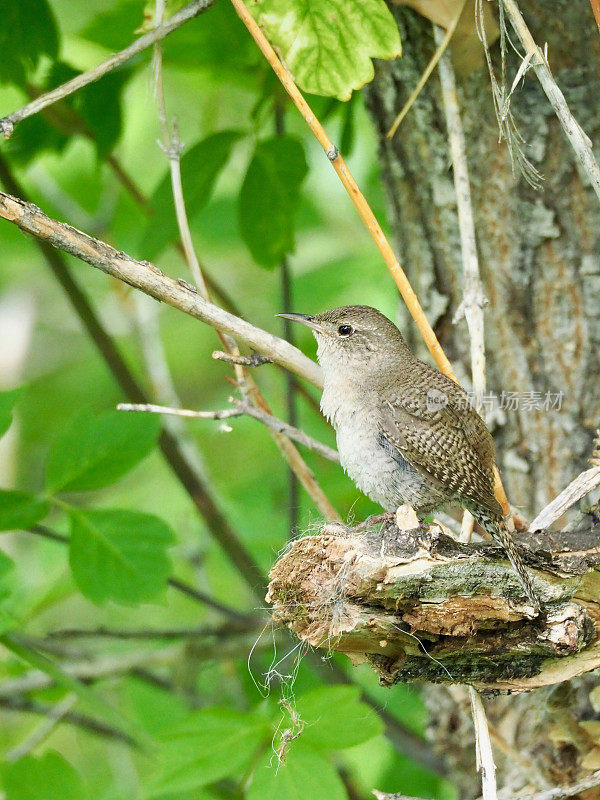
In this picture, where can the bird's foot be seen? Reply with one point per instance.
(374, 519)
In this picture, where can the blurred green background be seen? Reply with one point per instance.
(67, 162)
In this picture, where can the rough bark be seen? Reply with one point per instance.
(421, 607)
(539, 250)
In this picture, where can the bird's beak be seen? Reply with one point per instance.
(305, 319)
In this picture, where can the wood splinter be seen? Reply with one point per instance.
(419, 606)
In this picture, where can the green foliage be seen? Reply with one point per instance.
(206, 747)
(304, 773)
(269, 198)
(28, 32)
(245, 196)
(119, 555)
(96, 451)
(20, 510)
(49, 777)
(204, 161)
(335, 718)
(328, 44)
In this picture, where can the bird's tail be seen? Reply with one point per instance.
(498, 528)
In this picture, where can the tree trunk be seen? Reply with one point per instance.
(539, 254)
(539, 249)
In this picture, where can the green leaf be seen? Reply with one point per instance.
(303, 774)
(328, 44)
(269, 198)
(27, 31)
(49, 777)
(200, 168)
(20, 510)
(96, 451)
(335, 718)
(7, 402)
(208, 746)
(119, 555)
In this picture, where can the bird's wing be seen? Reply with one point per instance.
(448, 443)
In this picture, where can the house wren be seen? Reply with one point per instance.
(406, 433)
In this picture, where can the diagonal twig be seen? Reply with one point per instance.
(149, 279)
(190, 11)
(442, 44)
(242, 408)
(363, 208)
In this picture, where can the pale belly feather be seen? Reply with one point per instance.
(377, 469)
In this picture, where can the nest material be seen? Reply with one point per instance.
(420, 606)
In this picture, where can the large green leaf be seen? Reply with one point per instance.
(303, 774)
(20, 510)
(328, 44)
(269, 198)
(335, 718)
(49, 777)
(27, 31)
(119, 555)
(7, 401)
(208, 746)
(96, 451)
(200, 168)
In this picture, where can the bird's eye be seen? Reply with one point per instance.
(345, 330)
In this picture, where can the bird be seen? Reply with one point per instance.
(406, 433)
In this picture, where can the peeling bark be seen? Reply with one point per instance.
(421, 607)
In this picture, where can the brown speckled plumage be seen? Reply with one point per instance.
(406, 433)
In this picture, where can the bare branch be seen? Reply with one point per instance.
(485, 755)
(149, 279)
(255, 360)
(580, 142)
(190, 11)
(151, 408)
(55, 714)
(290, 431)
(583, 484)
(242, 407)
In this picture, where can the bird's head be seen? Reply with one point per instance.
(354, 339)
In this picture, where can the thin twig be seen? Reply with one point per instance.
(278, 425)
(242, 407)
(190, 11)
(473, 298)
(442, 45)
(55, 715)
(88, 670)
(84, 721)
(483, 746)
(596, 11)
(149, 279)
(255, 360)
(203, 631)
(216, 522)
(363, 208)
(351, 187)
(583, 484)
(580, 142)
(151, 408)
